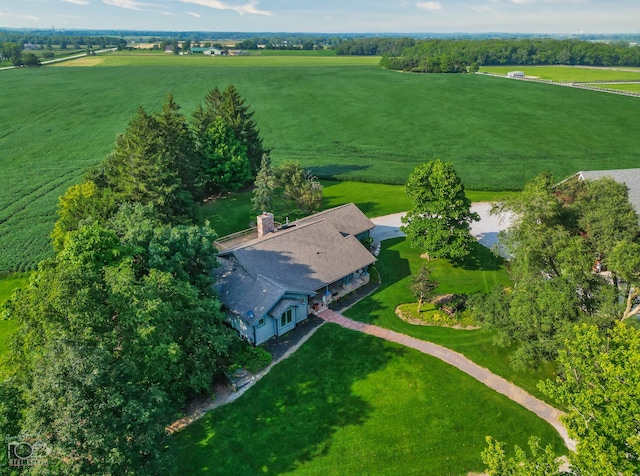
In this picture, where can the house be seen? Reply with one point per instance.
(629, 177)
(515, 74)
(273, 282)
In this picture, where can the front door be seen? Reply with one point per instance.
(287, 321)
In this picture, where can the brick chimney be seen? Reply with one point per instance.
(265, 224)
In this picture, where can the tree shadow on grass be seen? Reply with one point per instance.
(480, 258)
(393, 267)
(290, 416)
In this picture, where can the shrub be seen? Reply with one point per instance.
(375, 274)
(251, 358)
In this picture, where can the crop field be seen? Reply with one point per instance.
(569, 73)
(342, 117)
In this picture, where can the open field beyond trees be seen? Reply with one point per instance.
(340, 116)
(569, 73)
(348, 403)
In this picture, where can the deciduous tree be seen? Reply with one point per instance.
(440, 214)
(422, 286)
(300, 186)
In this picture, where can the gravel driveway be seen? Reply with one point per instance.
(486, 230)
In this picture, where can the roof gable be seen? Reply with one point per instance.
(347, 219)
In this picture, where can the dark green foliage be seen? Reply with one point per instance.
(81, 203)
(224, 163)
(233, 110)
(29, 59)
(558, 236)
(264, 186)
(440, 214)
(599, 384)
(143, 169)
(250, 358)
(527, 51)
(114, 333)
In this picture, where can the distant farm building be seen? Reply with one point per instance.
(207, 51)
(515, 74)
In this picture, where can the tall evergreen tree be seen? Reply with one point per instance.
(232, 108)
(139, 170)
(224, 164)
(151, 163)
(264, 186)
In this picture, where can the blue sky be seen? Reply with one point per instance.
(377, 16)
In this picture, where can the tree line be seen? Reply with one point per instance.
(408, 54)
(121, 326)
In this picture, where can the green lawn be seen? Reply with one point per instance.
(7, 285)
(567, 73)
(10, 282)
(350, 404)
(398, 262)
(342, 117)
(233, 212)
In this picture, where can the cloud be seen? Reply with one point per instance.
(567, 2)
(430, 6)
(129, 4)
(22, 17)
(250, 7)
(193, 14)
(78, 2)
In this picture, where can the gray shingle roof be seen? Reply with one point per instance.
(347, 219)
(248, 297)
(629, 177)
(302, 259)
(305, 257)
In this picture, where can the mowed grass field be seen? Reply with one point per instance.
(340, 116)
(351, 404)
(569, 73)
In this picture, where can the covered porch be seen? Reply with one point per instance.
(336, 290)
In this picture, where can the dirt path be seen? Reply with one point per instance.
(543, 410)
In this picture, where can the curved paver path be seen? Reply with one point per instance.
(500, 385)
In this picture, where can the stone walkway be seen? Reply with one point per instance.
(500, 385)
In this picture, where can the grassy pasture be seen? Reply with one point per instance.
(568, 73)
(635, 87)
(349, 404)
(340, 116)
(275, 60)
